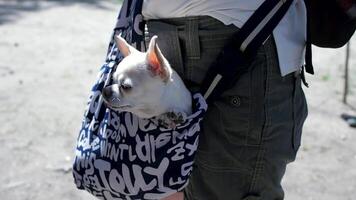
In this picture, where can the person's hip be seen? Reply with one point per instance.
(190, 44)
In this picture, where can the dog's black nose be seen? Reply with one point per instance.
(107, 92)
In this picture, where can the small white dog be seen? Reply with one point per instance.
(146, 85)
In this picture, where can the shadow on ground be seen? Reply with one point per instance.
(10, 10)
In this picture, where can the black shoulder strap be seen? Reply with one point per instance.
(308, 50)
(235, 57)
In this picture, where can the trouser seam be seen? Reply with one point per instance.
(259, 167)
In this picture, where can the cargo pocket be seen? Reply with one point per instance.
(217, 151)
(233, 126)
(235, 112)
(242, 107)
(300, 112)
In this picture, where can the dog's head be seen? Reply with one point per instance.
(139, 80)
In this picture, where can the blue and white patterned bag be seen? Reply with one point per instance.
(120, 156)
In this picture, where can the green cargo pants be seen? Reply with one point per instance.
(253, 131)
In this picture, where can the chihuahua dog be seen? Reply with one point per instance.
(146, 85)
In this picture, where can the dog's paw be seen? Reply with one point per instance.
(176, 117)
(172, 119)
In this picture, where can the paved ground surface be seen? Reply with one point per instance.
(50, 52)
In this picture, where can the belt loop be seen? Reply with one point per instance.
(193, 45)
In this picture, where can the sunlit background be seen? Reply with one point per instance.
(50, 52)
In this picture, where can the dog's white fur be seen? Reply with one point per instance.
(145, 84)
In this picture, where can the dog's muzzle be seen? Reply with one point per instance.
(111, 95)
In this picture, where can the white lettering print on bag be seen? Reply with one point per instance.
(132, 158)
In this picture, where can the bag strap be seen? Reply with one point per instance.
(234, 59)
(308, 50)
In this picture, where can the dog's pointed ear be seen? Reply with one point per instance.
(123, 46)
(157, 64)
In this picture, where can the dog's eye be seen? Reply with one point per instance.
(126, 87)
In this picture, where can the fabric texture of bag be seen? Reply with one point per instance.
(120, 156)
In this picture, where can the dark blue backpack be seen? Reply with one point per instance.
(332, 22)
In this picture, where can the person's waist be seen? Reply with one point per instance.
(181, 21)
(201, 22)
